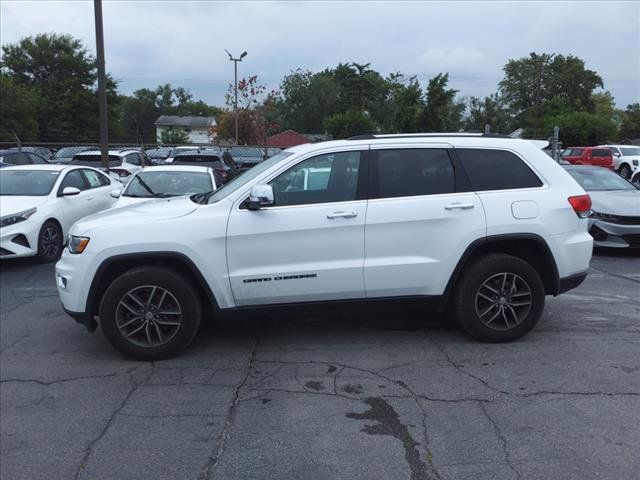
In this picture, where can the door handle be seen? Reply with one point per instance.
(89, 198)
(342, 215)
(460, 206)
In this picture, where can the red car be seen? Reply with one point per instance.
(597, 156)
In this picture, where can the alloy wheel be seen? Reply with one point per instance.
(503, 301)
(49, 242)
(148, 316)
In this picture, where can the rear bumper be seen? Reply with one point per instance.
(571, 282)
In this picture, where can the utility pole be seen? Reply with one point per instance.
(235, 86)
(102, 93)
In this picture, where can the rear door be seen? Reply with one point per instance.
(99, 188)
(78, 206)
(420, 218)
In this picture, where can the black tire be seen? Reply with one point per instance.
(515, 318)
(147, 284)
(50, 242)
(625, 171)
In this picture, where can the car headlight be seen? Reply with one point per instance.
(16, 217)
(77, 244)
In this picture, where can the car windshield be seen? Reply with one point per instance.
(168, 184)
(238, 182)
(599, 179)
(65, 152)
(627, 151)
(27, 182)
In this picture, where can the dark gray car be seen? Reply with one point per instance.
(615, 221)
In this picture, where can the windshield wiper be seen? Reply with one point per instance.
(202, 198)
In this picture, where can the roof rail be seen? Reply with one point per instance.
(371, 136)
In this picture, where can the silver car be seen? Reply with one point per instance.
(615, 221)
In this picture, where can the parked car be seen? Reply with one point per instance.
(39, 203)
(599, 157)
(122, 163)
(65, 154)
(486, 225)
(224, 171)
(165, 181)
(15, 157)
(43, 152)
(625, 158)
(159, 155)
(180, 149)
(246, 157)
(615, 221)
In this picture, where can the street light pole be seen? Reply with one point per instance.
(102, 93)
(235, 86)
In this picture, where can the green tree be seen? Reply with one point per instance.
(582, 128)
(18, 110)
(488, 111)
(630, 128)
(63, 75)
(174, 136)
(543, 85)
(405, 105)
(441, 113)
(349, 123)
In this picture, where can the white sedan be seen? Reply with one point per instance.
(40, 203)
(165, 181)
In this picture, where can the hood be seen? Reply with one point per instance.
(124, 201)
(623, 202)
(138, 213)
(11, 204)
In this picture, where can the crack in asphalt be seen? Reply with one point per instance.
(94, 442)
(503, 440)
(209, 468)
(65, 380)
(617, 275)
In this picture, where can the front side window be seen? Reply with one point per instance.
(416, 171)
(133, 159)
(496, 170)
(27, 182)
(630, 151)
(94, 179)
(73, 179)
(332, 177)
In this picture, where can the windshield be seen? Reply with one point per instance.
(600, 179)
(627, 151)
(68, 152)
(168, 184)
(247, 176)
(27, 182)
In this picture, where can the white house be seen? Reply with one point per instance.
(196, 127)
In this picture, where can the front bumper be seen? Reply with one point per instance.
(614, 235)
(83, 318)
(19, 240)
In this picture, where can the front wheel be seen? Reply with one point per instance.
(499, 298)
(50, 242)
(625, 171)
(150, 313)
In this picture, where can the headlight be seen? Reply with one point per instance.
(77, 244)
(16, 217)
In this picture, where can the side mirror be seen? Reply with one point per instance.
(116, 193)
(70, 191)
(260, 196)
(616, 154)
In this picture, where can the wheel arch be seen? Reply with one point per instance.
(113, 267)
(530, 247)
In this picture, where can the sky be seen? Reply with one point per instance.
(148, 42)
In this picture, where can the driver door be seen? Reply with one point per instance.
(308, 246)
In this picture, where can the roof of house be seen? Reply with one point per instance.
(286, 139)
(176, 121)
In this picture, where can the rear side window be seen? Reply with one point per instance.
(601, 152)
(496, 170)
(95, 179)
(416, 171)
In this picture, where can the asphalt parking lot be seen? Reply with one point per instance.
(326, 398)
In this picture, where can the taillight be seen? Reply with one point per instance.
(581, 205)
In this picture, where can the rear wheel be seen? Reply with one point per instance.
(499, 298)
(150, 313)
(49, 242)
(625, 171)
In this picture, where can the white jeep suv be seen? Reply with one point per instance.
(480, 225)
